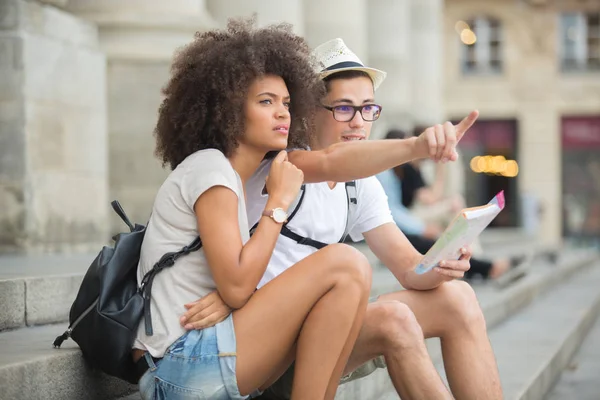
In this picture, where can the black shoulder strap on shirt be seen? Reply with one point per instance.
(352, 200)
(287, 232)
(296, 208)
(352, 197)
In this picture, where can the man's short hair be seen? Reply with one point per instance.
(348, 74)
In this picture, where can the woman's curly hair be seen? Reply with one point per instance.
(210, 77)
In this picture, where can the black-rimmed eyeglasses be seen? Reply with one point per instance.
(345, 112)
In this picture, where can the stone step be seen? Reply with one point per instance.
(498, 242)
(499, 236)
(30, 366)
(545, 337)
(500, 304)
(536, 344)
(40, 289)
(39, 297)
(580, 380)
(497, 305)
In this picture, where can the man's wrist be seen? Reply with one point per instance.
(419, 148)
(428, 281)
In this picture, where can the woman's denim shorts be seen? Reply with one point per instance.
(199, 365)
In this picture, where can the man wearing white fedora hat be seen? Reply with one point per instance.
(434, 304)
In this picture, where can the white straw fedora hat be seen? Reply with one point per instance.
(334, 56)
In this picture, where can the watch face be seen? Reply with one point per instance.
(279, 215)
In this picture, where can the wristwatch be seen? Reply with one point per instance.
(277, 214)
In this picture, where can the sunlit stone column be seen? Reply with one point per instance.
(426, 61)
(53, 167)
(389, 50)
(139, 38)
(346, 19)
(266, 11)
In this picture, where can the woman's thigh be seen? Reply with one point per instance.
(269, 324)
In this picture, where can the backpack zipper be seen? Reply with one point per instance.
(60, 339)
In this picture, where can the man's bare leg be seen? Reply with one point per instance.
(391, 329)
(452, 313)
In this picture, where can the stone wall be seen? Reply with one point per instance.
(139, 38)
(134, 92)
(53, 170)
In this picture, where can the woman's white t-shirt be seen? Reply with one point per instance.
(173, 225)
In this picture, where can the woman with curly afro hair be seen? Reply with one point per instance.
(235, 95)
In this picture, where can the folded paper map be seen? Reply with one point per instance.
(461, 232)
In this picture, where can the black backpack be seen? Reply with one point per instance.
(108, 308)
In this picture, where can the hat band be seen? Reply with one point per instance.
(344, 64)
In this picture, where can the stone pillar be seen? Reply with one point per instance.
(55, 3)
(389, 50)
(266, 11)
(139, 38)
(540, 162)
(426, 61)
(53, 154)
(537, 85)
(346, 19)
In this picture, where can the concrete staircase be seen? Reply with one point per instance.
(536, 326)
(579, 380)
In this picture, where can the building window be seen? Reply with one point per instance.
(580, 41)
(482, 46)
(580, 184)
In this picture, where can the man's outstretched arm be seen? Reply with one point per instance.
(347, 161)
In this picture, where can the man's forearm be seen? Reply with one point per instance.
(342, 162)
(427, 281)
(440, 180)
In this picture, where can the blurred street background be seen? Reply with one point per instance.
(80, 85)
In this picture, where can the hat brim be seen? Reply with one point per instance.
(377, 76)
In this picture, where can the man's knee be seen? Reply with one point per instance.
(397, 326)
(352, 260)
(347, 263)
(461, 304)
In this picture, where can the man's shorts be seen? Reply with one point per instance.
(282, 388)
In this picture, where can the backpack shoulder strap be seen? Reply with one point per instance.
(166, 261)
(287, 232)
(298, 203)
(352, 200)
(352, 197)
(296, 207)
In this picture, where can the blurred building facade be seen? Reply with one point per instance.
(532, 68)
(80, 87)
